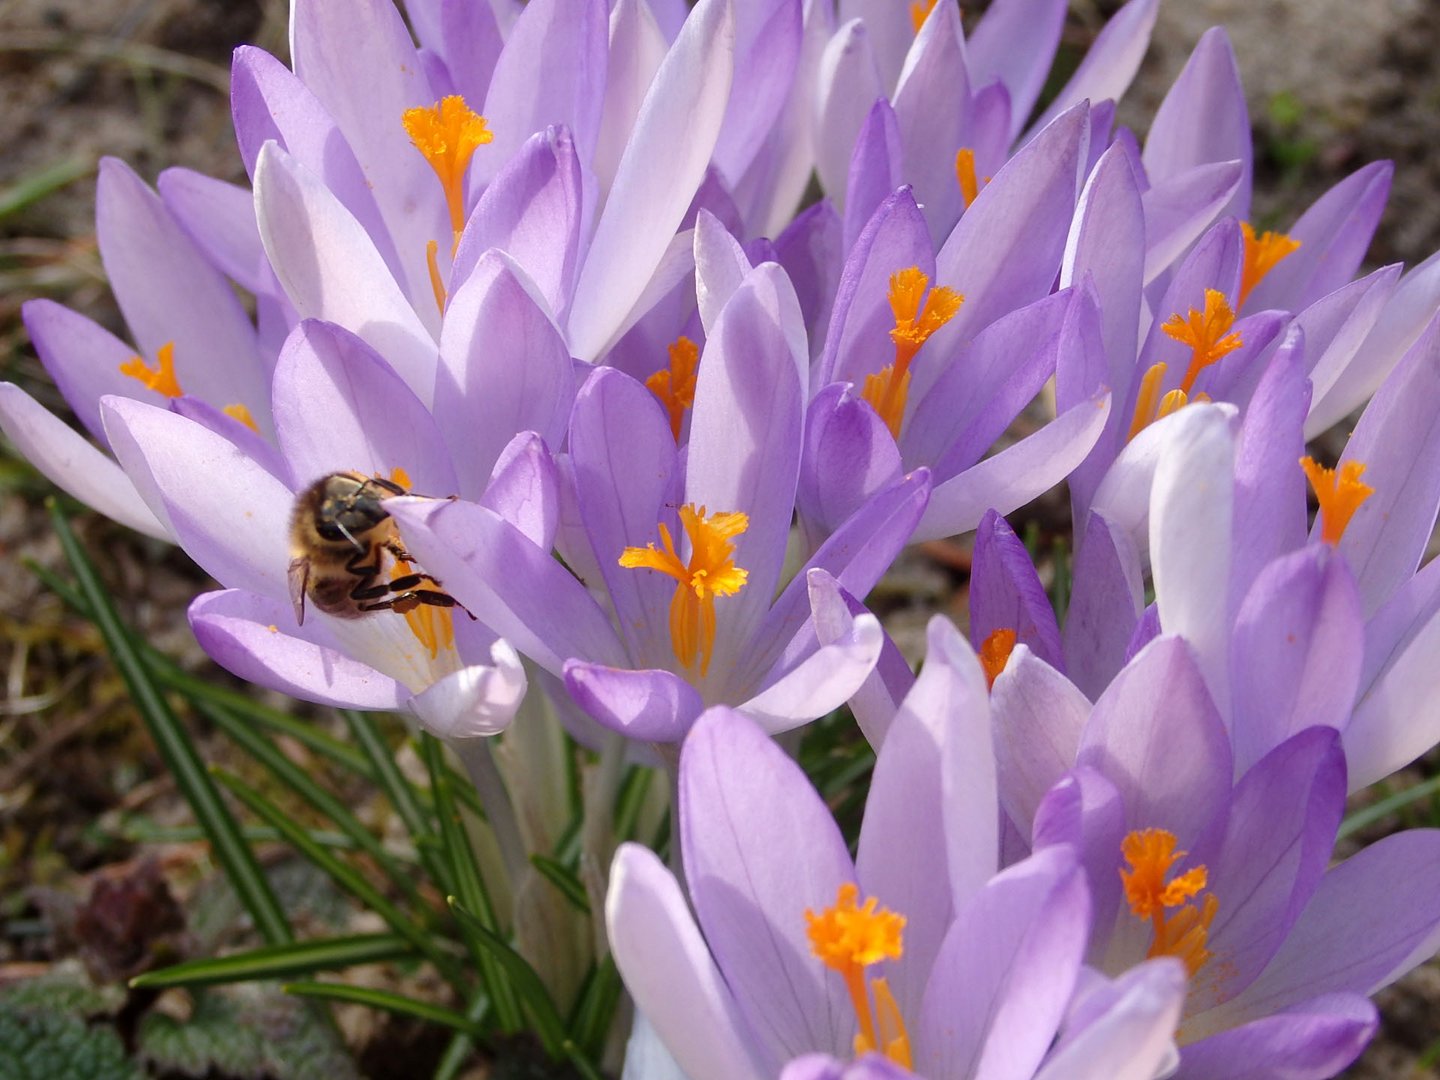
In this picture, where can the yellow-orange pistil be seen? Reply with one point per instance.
(1210, 339)
(1340, 492)
(711, 572)
(920, 11)
(995, 653)
(674, 384)
(888, 390)
(447, 133)
(965, 175)
(242, 414)
(848, 938)
(433, 627)
(161, 378)
(1262, 253)
(1150, 854)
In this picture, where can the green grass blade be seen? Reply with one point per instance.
(563, 879)
(469, 884)
(348, 878)
(1391, 804)
(520, 977)
(30, 189)
(280, 961)
(594, 1009)
(384, 999)
(181, 758)
(458, 1051)
(299, 781)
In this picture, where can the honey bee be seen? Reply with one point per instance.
(339, 535)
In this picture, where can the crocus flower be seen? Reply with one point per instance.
(946, 349)
(914, 956)
(684, 545)
(1229, 876)
(226, 496)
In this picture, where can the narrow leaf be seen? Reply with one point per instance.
(280, 961)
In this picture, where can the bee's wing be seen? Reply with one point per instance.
(299, 578)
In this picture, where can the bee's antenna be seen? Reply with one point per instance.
(346, 533)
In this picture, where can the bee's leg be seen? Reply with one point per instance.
(409, 601)
(410, 581)
(367, 571)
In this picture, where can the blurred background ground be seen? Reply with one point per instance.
(1332, 84)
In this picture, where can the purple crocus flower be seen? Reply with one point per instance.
(226, 495)
(769, 976)
(942, 379)
(682, 547)
(1229, 876)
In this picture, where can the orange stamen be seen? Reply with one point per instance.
(711, 572)
(1262, 253)
(448, 133)
(995, 653)
(965, 174)
(1147, 401)
(888, 390)
(1207, 333)
(1150, 854)
(241, 413)
(161, 378)
(437, 283)
(1340, 493)
(848, 938)
(674, 384)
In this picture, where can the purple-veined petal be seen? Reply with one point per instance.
(752, 879)
(767, 54)
(646, 705)
(662, 167)
(507, 582)
(331, 270)
(624, 459)
(848, 84)
(1105, 603)
(1111, 61)
(1006, 594)
(241, 632)
(1334, 234)
(720, 267)
(1296, 652)
(1407, 314)
(876, 169)
(73, 464)
(1016, 474)
(229, 514)
(168, 292)
(84, 359)
(823, 678)
(1398, 716)
(1265, 859)
(811, 251)
(1015, 42)
(1336, 326)
(1130, 1031)
(1086, 810)
(340, 407)
(1398, 441)
(1179, 208)
(1005, 972)
(524, 489)
(1190, 521)
(1037, 715)
(745, 438)
(637, 46)
(932, 103)
(848, 456)
(534, 210)
(669, 971)
(858, 339)
(1156, 736)
(532, 89)
(220, 218)
(1203, 119)
(1373, 918)
(1314, 1039)
(504, 368)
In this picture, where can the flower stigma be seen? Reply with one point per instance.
(848, 938)
(1207, 333)
(161, 378)
(888, 390)
(995, 653)
(711, 572)
(1262, 254)
(1339, 491)
(242, 414)
(674, 384)
(1150, 854)
(447, 134)
(965, 174)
